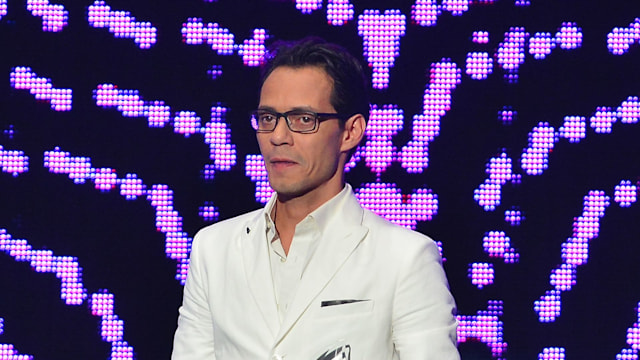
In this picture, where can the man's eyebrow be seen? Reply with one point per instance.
(295, 108)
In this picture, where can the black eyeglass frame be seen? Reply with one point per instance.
(319, 117)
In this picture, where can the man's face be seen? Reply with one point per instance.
(301, 164)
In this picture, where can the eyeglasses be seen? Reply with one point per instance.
(300, 121)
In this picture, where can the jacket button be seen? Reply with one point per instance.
(277, 357)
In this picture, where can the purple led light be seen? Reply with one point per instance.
(569, 36)
(111, 327)
(339, 12)
(522, 2)
(629, 111)
(575, 252)
(308, 6)
(456, 7)
(22, 78)
(541, 44)
(507, 115)
(479, 65)
(255, 170)
(168, 220)
(535, 158)
(54, 16)
(378, 150)
(425, 12)
(619, 40)
(444, 77)
(510, 53)
(387, 201)
(486, 327)
(7, 351)
(13, 162)
(552, 353)
(574, 128)
(216, 132)
(489, 193)
(633, 339)
(603, 120)
(480, 37)
(381, 41)
(215, 72)
(121, 24)
(3, 8)
(625, 193)
(221, 40)
(498, 244)
(253, 50)
(514, 217)
(481, 274)
(208, 212)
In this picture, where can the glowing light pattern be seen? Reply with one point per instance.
(381, 41)
(215, 72)
(575, 252)
(72, 291)
(378, 150)
(574, 128)
(255, 170)
(121, 24)
(444, 77)
(619, 40)
(387, 200)
(54, 16)
(65, 268)
(479, 65)
(216, 132)
(168, 220)
(603, 120)
(486, 327)
(552, 353)
(514, 217)
(535, 158)
(510, 54)
(507, 115)
(252, 51)
(488, 194)
(3, 8)
(339, 12)
(629, 111)
(569, 36)
(22, 78)
(481, 274)
(633, 340)
(209, 212)
(625, 193)
(14, 162)
(7, 351)
(498, 244)
(426, 12)
(480, 37)
(541, 44)
(308, 6)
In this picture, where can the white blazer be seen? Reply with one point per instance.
(372, 290)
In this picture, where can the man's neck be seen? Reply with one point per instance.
(289, 212)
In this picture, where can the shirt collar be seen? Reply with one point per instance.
(322, 216)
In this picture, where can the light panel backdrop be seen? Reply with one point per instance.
(507, 130)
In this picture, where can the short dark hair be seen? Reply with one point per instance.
(350, 93)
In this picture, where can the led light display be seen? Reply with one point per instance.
(505, 130)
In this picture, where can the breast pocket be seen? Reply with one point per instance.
(344, 308)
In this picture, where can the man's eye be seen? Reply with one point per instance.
(266, 118)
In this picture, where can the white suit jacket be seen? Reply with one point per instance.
(372, 290)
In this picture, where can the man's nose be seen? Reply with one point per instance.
(281, 134)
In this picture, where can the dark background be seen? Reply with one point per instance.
(115, 240)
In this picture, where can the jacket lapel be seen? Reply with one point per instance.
(255, 257)
(336, 245)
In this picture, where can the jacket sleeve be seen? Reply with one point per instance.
(423, 318)
(194, 336)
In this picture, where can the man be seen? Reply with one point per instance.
(313, 275)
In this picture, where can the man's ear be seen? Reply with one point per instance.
(354, 129)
